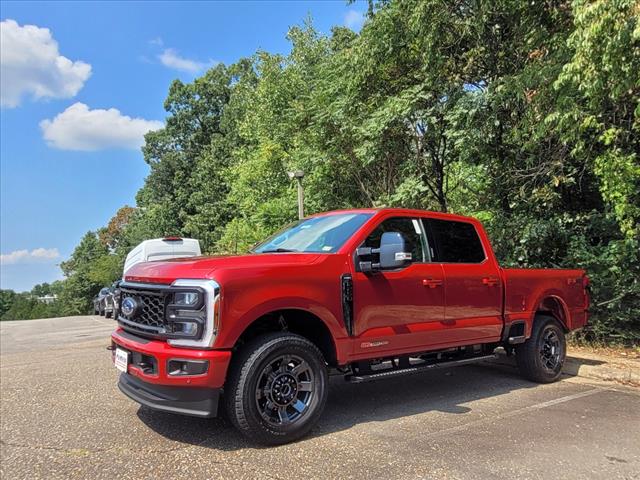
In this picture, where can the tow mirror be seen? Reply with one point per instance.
(391, 254)
(392, 251)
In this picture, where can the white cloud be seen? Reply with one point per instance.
(79, 128)
(170, 58)
(156, 41)
(31, 64)
(26, 256)
(354, 19)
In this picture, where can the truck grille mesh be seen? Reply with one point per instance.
(149, 316)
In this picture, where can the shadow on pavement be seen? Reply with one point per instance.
(443, 390)
(572, 364)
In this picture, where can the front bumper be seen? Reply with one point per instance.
(197, 402)
(150, 381)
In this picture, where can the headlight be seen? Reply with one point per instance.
(186, 298)
(186, 313)
(193, 313)
(187, 329)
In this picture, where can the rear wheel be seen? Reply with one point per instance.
(541, 357)
(277, 388)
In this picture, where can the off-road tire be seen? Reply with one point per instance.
(541, 357)
(246, 372)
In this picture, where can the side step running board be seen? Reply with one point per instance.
(417, 369)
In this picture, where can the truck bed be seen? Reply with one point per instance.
(563, 291)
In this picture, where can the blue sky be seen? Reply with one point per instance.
(81, 82)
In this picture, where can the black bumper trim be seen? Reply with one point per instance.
(132, 337)
(193, 401)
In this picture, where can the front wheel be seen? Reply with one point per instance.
(277, 388)
(541, 357)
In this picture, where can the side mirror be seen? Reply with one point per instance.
(391, 254)
(392, 251)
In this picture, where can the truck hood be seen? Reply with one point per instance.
(166, 271)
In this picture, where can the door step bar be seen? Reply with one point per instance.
(369, 377)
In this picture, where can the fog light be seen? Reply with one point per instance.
(178, 367)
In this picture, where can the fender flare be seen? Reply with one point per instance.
(306, 305)
(556, 296)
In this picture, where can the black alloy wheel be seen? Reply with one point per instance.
(285, 390)
(276, 388)
(542, 356)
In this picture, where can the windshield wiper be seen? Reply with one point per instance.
(278, 250)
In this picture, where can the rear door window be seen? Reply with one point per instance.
(456, 242)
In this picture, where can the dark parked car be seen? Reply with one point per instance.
(99, 302)
(114, 298)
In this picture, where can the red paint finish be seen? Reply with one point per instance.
(424, 306)
(398, 305)
(474, 301)
(163, 352)
(528, 289)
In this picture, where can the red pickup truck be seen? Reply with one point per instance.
(367, 294)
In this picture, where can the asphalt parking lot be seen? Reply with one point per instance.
(62, 416)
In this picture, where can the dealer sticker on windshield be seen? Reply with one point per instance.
(122, 360)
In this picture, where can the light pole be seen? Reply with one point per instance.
(299, 175)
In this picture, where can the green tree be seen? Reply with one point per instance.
(523, 114)
(7, 298)
(600, 115)
(184, 192)
(82, 282)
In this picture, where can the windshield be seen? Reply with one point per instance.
(324, 234)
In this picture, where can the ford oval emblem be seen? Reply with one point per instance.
(128, 306)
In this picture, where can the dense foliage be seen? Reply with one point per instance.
(523, 114)
(30, 305)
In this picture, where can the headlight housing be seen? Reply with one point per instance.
(192, 313)
(186, 313)
(187, 299)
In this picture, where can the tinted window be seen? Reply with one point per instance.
(410, 230)
(457, 242)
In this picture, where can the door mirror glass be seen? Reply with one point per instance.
(393, 252)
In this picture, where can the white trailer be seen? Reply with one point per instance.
(162, 249)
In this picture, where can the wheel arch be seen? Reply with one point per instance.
(553, 305)
(295, 320)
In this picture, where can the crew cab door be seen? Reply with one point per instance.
(473, 283)
(398, 310)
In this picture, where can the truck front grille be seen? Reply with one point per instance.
(149, 316)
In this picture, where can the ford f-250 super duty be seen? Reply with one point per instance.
(368, 294)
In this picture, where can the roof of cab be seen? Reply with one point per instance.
(399, 211)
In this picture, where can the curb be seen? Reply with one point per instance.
(596, 367)
(603, 368)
